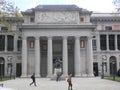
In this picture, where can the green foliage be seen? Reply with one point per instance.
(117, 4)
(5, 79)
(111, 78)
(7, 9)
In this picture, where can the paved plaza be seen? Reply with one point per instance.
(95, 83)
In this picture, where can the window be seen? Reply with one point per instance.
(2, 42)
(112, 42)
(118, 41)
(94, 44)
(103, 45)
(10, 42)
(32, 19)
(82, 44)
(4, 28)
(108, 27)
(81, 19)
(31, 44)
(19, 45)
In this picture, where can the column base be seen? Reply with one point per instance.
(24, 76)
(64, 75)
(90, 75)
(61, 78)
(37, 76)
(84, 75)
(50, 75)
(78, 75)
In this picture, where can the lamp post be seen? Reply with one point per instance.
(1, 64)
(11, 70)
(102, 75)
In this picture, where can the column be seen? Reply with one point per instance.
(37, 57)
(77, 57)
(98, 41)
(65, 56)
(90, 56)
(116, 45)
(49, 57)
(15, 43)
(24, 57)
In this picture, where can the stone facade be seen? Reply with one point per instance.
(64, 33)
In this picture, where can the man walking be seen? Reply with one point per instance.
(33, 80)
(69, 80)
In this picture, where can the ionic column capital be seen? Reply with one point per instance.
(24, 37)
(37, 38)
(49, 37)
(77, 37)
(64, 37)
(90, 37)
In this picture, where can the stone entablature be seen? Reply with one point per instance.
(57, 14)
(57, 17)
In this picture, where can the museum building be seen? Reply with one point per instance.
(61, 38)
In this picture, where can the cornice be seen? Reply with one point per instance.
(71, 26)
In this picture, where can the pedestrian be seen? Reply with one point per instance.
(69, 80)
(58, 76)
(33, 80)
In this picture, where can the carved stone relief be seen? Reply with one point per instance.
(63, 17)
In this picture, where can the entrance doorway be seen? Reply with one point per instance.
(113, 65)
(95, 68)
(18, 69)
(2, 64)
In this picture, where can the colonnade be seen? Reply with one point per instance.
(77, 58)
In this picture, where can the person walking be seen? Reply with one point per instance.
(69, 80)
(33, 80)
(58, 76)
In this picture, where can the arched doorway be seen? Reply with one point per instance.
(113, 65)
(2, 62)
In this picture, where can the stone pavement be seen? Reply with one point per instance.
(95, 83)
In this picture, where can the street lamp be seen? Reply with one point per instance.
(11, 70)
(1, 64)
(102, 75)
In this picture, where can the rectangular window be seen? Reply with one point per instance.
(4, 29)
(94, 45)
(108, 27)
(81, 19)
(19, 45)
(103, 45)
(2, 42)
(32, 19)
(112, 42)
(31, 44)
(10, 42)
(82, 44)
(118, 41)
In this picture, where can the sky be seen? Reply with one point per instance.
(91, 5)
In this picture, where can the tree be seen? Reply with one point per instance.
(7, 9)
(117, 4)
